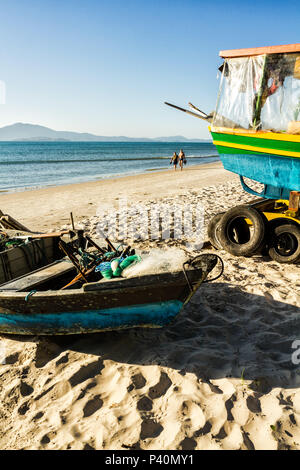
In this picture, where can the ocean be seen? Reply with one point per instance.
(28, 165)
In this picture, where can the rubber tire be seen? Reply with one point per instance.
(212, 231)
(279, 230)
(241, 232)
(257, 240)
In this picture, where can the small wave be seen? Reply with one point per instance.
(90, 160)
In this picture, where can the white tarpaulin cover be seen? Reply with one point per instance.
(260, 92)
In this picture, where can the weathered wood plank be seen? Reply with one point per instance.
(20, 260)
(287, 48)
(35, 278)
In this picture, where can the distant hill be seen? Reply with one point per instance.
(32, 132)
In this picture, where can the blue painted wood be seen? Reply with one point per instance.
(268, 192)
(155, 314)
(272, 170)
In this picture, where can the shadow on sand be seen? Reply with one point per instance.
(223, 332)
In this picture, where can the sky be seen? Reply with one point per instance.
(106, 67)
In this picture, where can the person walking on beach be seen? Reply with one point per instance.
(174, 160)
(182, 159)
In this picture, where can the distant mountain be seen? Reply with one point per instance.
(33, 132)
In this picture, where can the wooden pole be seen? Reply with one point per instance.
(64, 247)
(72, 220)
(94, 244)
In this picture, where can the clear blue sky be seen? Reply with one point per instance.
(107, 66)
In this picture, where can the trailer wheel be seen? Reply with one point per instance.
(212, 231)
(239, 238)
(285, 244)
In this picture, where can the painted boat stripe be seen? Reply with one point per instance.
(153, 314)
(253, 148)
(257, 134)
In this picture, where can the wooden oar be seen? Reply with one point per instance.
(43, 235)
(79, 277)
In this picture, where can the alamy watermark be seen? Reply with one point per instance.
(155, 221)
(2, 353)
(296, 353)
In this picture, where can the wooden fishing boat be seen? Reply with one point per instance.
(34, 304)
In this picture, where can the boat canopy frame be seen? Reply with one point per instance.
(260, 89)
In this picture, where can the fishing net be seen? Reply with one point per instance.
(157, 261)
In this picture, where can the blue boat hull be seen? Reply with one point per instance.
(272, 159)
(156, 314)
(151, 300)
(279, 172)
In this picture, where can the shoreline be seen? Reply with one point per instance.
(103, 178)
(45, 208)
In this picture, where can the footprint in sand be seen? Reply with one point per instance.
(203, 431)
(38, 416)
(12, 359)
(86, 372)
(45, 440)
(144, 404)
(88, 447)
(92, 406)
(45, 352)
(22, 410)
(138, 381)
(253, 404)
(188, 444)
(62, 360)
(247, 442)
(221, 434)
(229, 404)
(25, 389)
(161, 387)
(88, 387)
(150, 429)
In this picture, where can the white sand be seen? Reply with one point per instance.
(220, 377)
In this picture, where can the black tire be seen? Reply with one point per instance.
(285, 244)
(240, 231)
(212, 231)
(235, 237)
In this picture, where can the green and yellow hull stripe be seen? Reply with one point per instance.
(256, 142)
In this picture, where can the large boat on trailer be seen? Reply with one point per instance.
(256, 129)
(256, 125)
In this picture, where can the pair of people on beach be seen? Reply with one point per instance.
(181, 159)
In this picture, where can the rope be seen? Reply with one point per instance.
(31, 293)
(193, 262)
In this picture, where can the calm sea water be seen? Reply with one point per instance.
(36, 164)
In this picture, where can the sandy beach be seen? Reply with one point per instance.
(45, 208)
(221, 376)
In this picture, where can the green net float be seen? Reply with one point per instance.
(129, 260)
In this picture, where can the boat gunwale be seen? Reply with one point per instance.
(256, 134)
(105, 286)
